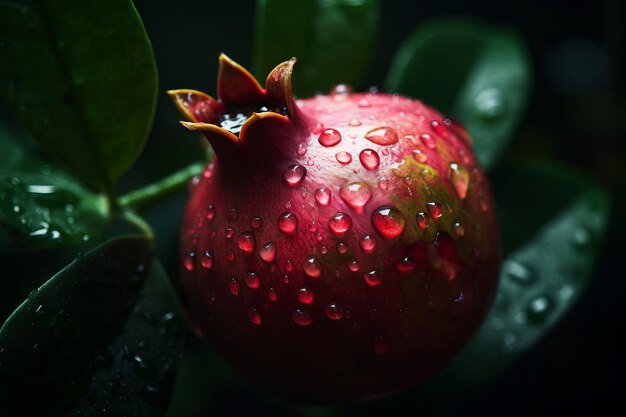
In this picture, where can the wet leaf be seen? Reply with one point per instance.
(102, 334)
(44, 210)
(333, 40)
(81, 77)
(471, 71)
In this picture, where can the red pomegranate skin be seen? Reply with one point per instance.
(339, 248)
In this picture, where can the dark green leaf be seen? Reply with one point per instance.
(475, 73)
(81, 76)
(553, 225)
(44, 210)
(333, 40)
(102, 334)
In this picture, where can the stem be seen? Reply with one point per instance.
(136, 220)
(152, 193)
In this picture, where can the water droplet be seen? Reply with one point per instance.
(190, 261)
(246, 242)
(518, 272)
(340, 223)
(369, 159)
(364, 103)
(230, 255)
(334, 311)
(288, 223)
(288, 266)
(538, 309)
(343, 157)
(144, 368)
(272, 295)
(330, 137)
(382, 136)
(380, 346)
(435, 209)
(423, 220)
(355, 122)
(340, 89)
(255, 316)
(388, 221)
(312, 267)
(322, 196)
(268, 252)
(252, 280)
(405, 266)
(230, 232)
(342, 247)
(373, 278)
(301, 149)
(428, 141)
(256, 222)
(210, 212)
(420, 156)
(306, 295)
(459, 177)
(356, 195)
(368, 243)
(294, 174)
(319, 128)
(232, 214)
(301, 317)
(207, 260)
(437, 127)
(458, 229)
(234, 286)
(353, 266)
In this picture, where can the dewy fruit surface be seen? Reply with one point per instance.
(339, 247)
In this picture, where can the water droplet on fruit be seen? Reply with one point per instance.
(388, 221)
(353, 266)
(538, 309)
(234, 286)
(364, 103)
(288, 223)
(405, 266)
(190, 261)
(420, 156)
(382, 136)
(355, 122)
(373, 278)
(252, 280)
(330, 137)
(428, 140)
(312, 267)
(288, 266)
(272, 295)
(369, 159)
(319, 128)
(246, 242)
(356, 195)
(368, 243)
(435, 209)
(334, 311)
(207, 260)
(231, 214)
(256, 222)
(301, 317)
(380, 346)
(437, 127)
(518, 272)
(230, 232)
(322, 196)
(306, 295)
(423, 220)
(342, 247)
(301, 149)
(255, 316)
(294, 174)
(268, 252)
(340, 223)
(340, 89)
(459, 177)
(230, 255)
(343, 157)
(458, 229)
(210, 212)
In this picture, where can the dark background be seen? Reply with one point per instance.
(577, 114)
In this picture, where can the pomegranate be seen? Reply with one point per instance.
(337, 248)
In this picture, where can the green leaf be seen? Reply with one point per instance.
(44, 211)
(553, 223)
(473, 72)
(102, 334)
(332, 39)
(81, 77)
